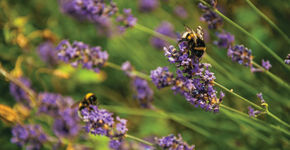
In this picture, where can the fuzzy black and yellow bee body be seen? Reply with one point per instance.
(86, 102)
(195, 42)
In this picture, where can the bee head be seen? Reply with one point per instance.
(91, 97)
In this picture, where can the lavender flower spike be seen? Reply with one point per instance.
(171, 142)
(266, 64)
(144, 92)
(18, 93)
(225, 39)
(241, 54)
(148, 5)
(30, 136)
(161, 77)
(101, 122)
(252, 112)
(79, 53)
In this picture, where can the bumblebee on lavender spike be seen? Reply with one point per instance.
(195, 42)
(88, 100)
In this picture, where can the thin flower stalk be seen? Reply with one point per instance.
(273, 76)
(139, 140)
(268, 20)
(248, 34)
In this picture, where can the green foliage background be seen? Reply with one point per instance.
(225, 130)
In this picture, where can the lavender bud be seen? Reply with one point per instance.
(241, 54)
(18, 93)
(30, 136)
(79, 53)
(48, 53)
(225, 39)
(171, 142)
(148, 5)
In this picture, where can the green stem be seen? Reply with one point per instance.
(278, 119)
(159, 35)
(237, 95)
(260, 121)
(268, 20)
(248, 34)
(139, 140)
(273, 76)
(253, 104)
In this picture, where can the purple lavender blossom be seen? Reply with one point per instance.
(52, 104)
(144, 92)
(193, 80)
(148, 5)
(266, 64)
(127, 20)
(48, 53)
(101, 122)
(241, 54)
(213, 20)
(79, 53)
(164, 28)
(92, 10)
(30, 136)
(225, 39)
(18, 93)
(128, 69)
(287, 60)
(67, 123)
(180, 12)
(161, 77)
(171, 142)
(252, 112)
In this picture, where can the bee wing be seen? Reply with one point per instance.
(75, 104)
(199, 31)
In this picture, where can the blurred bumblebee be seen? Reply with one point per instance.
(88, 100)
(194, 40)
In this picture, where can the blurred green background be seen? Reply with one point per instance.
(225, 130)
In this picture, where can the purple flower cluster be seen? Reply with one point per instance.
(144, 92)
(225, 39)
(18, 93)
(79, 53)
(98, 12)
(48, 53)
(164, 28)
(66, 123)
(148, 5)
(241, 54)
(266, 64)
(287, 60)
(171, 142)
(213, 20)
(193, 79)
(161, 77)
(101, 122)
(180, 12)
(30, 136)
(254, 113)
(127, 20)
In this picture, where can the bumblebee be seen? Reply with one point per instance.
(88, 100)
(196, 44)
